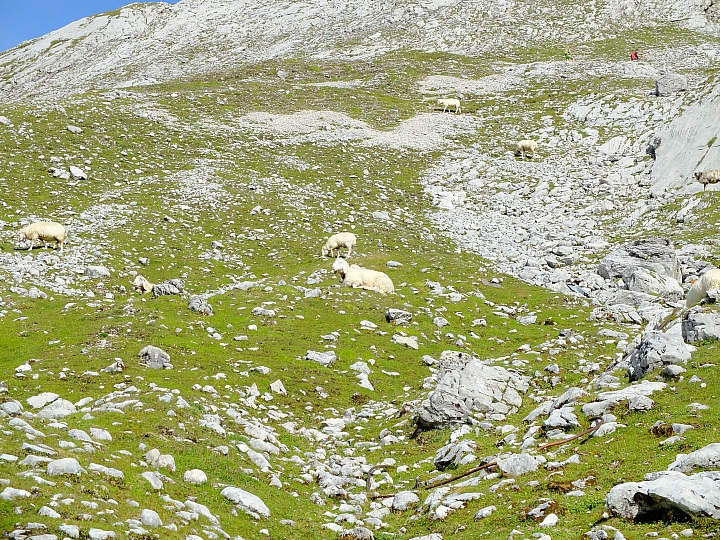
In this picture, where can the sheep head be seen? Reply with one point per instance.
(340, 266)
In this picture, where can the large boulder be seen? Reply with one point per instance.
(648, 281)
(154, 357)
(656, 350)
(467, 386)
(667, 496)
(171, 286)
(246, 501)
(700, 323)
(655, 254)
(707, 457)
(670, 83)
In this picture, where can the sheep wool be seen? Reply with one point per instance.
(708, 281)
(450, 103)
(707, 177)
(362, 278)
(525, 147)
(140, 283)
(45, 231)
(336, 241)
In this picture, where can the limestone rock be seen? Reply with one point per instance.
(707, 457)
(247, 502)
(671, 83)
(199, 304)
(473, 388)
(154, 357)
(667, 494)
(656, 350)
(656, 254)
(700, 323)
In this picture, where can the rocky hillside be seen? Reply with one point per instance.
(188, 366)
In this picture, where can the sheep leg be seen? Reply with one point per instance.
(349, 252)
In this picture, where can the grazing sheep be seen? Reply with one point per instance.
(141, 284)
(526, 147)
(44, 231)
(707, 177)
(450, 102)
(708, 281)
(363, 278)
(336, 241)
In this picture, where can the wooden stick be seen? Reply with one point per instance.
(591, 429)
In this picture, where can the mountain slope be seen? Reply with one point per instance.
(149, 43)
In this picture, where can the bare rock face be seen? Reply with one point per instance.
(667, 495)
(465, 387)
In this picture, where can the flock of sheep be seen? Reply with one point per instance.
(365, 278)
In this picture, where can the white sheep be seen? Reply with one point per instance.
(336, 241)
(526, 146)
(363, 278)
(448, 103)
(708, 281)
(45, 231)
(140, 283)
(707, 177)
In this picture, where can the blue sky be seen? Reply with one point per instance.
(21, 20)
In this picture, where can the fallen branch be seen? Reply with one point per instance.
(591, 429)
(432, 486)
(462, 475)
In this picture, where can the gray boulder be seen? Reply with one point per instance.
(325, 358)
(154, 357)
(707, 457)
(650, 282)
(667, 495)
(669, 84)
(656, 350)
(357, 533)
(64, 466)
(247, 502)
(171, 286)
(656, 254)
(398, 316)
(95, 272)
(200, 305)
(404, 500)
(452, 453)
(518, 464)
(464, 390)
(700, 323)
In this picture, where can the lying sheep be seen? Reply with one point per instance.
(336, 241)
(708, 281)
(450, 102)
(526, 146)
(707, 177)
(141, 284)
(363, 278)
(44, 231)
